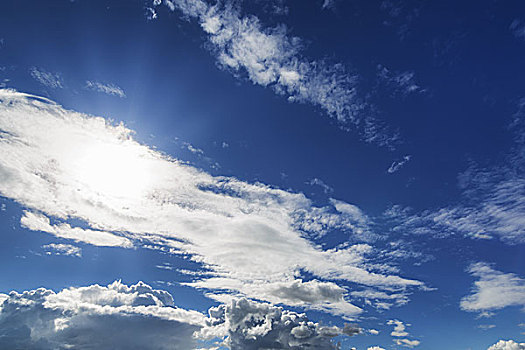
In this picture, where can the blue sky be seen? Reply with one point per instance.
(262, 174)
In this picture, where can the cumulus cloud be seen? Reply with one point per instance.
(52, 80)
(96, 317)
(62, 249)
(251, 238)
(118, 316)
(375, 348)
(270, 57)
(399, 328)
(109, 89)
(248, 325)
(493, 290)
(507, 345)
(400, 333)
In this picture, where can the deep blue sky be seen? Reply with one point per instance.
(445, 76)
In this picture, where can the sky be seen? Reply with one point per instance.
(264, 174)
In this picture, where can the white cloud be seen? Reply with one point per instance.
(399, 328)
(380, 299)
(496, 210)
(52, 80)
(39, 222)
(486, 326)
(109, 89)
(118, 316)
(62, 249)
(102, 317)
(60, 164)
(396, 165)
(407, 342)
(400, 333)
(375, 348)
(507, 345)
(493, 290)
(270, 57)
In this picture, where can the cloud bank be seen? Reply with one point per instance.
(118, 316)
(96, 317)
(251, 239)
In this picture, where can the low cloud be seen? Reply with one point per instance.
(118, 316)
(507, 345)
(248, 325)
(99, 317)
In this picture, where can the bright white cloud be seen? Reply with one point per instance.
(39, 222)
(109, 89)
(507, 345)
(270, 57)
(375, 348)
(62, 249)
(60, 164)
(493, 290)
(52, 80)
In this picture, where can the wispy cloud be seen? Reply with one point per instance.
(396, 165)
(109, 89)
(493, 290)
(401, 83)
(253, 238)
(270, 57)
(492, 202)
(49, 79)
(62, 249)
(318, 182)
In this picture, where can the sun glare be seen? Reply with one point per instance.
(120, 170)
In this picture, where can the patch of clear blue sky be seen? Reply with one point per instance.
(462, 53)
